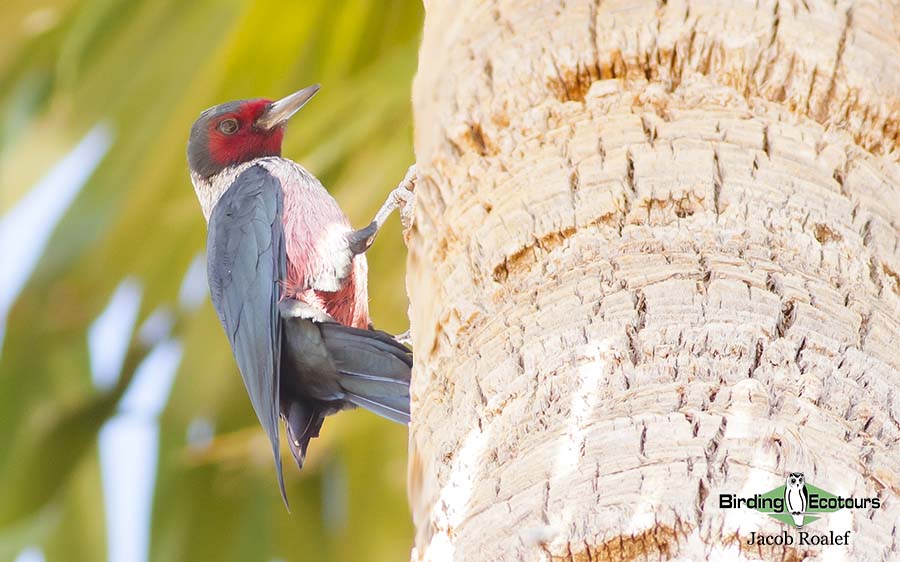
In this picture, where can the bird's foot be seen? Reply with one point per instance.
(405, 338)
(403, 197)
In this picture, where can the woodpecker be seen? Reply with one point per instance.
(287, 277)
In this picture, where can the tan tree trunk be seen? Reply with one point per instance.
(656, 260)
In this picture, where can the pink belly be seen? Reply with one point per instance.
(349, 305)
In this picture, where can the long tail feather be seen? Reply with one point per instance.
(374, 369)
(331, 363)
(381, 408)
(303, 422)
(373, 378)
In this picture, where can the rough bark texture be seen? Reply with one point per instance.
(656, 259)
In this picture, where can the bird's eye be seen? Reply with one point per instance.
(229, 126)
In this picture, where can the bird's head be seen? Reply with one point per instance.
(239, 131)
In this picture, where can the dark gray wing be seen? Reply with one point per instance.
(245, 262)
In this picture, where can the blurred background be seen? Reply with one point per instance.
(126, 433)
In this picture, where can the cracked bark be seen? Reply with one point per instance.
(655, 259)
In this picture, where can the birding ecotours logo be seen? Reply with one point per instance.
(797, 503)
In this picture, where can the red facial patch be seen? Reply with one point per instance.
(249, 141)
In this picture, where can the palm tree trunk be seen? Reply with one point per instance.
(656, 260)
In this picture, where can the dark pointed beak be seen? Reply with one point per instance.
(285, 108)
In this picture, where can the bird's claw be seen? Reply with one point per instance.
(404, 339)
(404, 197)
(406, 202)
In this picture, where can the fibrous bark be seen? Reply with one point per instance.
(656, 259)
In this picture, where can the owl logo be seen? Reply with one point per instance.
(795, 497)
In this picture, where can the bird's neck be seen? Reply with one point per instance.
(210, 190)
